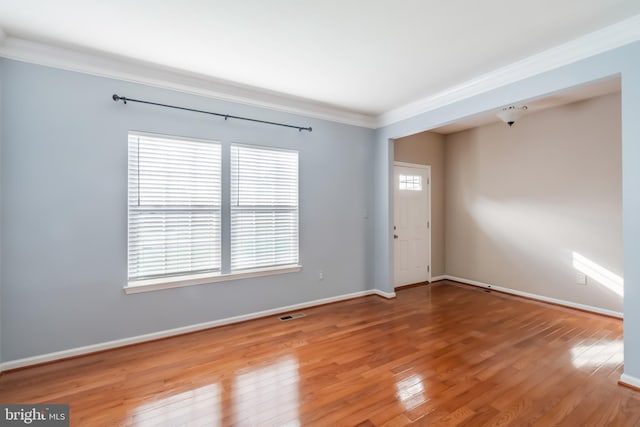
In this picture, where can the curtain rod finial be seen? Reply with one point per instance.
(117, 98)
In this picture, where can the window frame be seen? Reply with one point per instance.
(181, 280)
(410, 182)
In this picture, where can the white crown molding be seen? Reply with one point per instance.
(79, 351)
(537, 297)
(104, 65)
(611, 37)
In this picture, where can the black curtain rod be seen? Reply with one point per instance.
(124, 99)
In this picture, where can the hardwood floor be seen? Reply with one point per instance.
(437, 355)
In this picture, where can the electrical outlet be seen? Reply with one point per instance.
(320, 275)
(581, 278)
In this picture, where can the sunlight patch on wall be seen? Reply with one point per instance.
(606, 278)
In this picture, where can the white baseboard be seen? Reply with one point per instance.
(78, 351)
(537, 297)
(629, 380)
(384, 294)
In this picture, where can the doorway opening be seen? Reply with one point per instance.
(412, 228)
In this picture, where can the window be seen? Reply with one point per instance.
(411, 182)
(174, 206)
(264, 207)
(175, 223)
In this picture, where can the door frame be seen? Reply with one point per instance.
(427, 168)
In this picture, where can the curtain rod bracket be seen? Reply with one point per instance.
(124, 99)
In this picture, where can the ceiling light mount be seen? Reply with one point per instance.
(510, 114)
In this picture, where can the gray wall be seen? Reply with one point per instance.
(64, 225)
(624, 61)
(522, 200)
(1, 198)
(631, 210)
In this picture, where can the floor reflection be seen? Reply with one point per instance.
(268, 396)
(598, 354)
(194, 407)
(411, 391)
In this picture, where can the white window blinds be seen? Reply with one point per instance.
(264, 207)
(174, 206)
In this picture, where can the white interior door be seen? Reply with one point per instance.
(412, 216)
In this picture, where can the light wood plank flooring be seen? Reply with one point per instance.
(437, 355)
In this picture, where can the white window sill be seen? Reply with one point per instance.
(148, 285)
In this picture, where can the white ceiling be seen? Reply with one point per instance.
(364, 56)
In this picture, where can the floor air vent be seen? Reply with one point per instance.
(291, 316)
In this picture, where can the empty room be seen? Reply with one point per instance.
(319, 213)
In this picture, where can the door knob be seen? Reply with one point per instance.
(395, 236)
